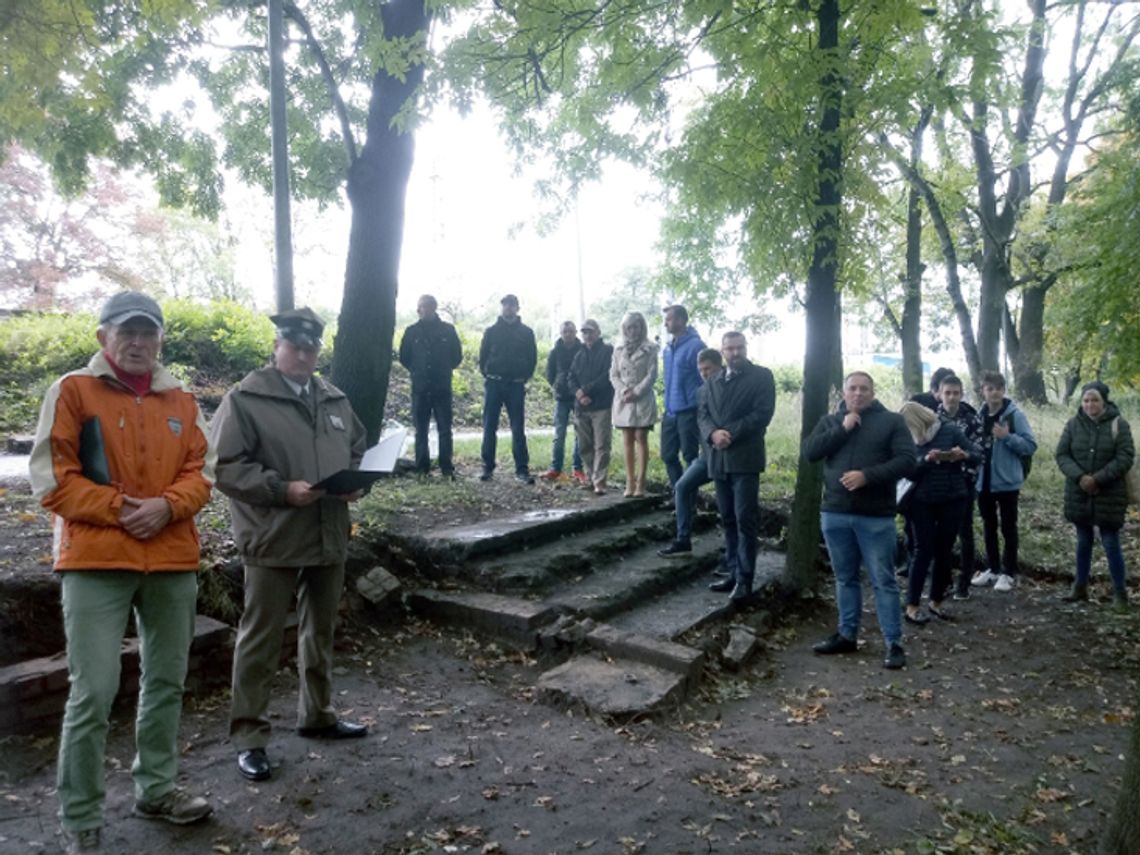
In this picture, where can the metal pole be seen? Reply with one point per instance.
(283, 242)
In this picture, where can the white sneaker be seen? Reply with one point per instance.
(1004, 583)
(983, 578)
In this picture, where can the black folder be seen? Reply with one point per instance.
(348, 481)
(92, 452)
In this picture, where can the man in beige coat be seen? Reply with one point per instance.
(277, 433)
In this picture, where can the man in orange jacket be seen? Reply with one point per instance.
(121, 460)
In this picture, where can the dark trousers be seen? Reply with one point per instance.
(966, 545)
(498, 394)
(425, 404)
(679, 436)
(739, 505)
(990, 506)
(936, 525)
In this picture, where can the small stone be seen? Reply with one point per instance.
(742, 643)
(378, 586)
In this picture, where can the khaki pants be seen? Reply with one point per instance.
(595, 438)
(268, 596)
(96, 605)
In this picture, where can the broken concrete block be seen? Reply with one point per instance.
(378, 586)
(742, 643)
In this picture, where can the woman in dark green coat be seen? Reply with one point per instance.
(1095, 453)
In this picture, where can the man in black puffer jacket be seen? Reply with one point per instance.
(507, 359)
(865, 450)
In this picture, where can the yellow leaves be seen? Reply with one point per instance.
(805, 714)
(1050, 794)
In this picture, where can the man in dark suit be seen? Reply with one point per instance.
(733, 417)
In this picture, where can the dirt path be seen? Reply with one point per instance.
(1005, 734)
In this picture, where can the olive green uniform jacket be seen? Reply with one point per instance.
(1090, 447)
(265, 435)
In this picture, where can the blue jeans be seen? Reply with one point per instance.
(562, 411)
(496, 395)
(1110, 540)
(853, 539)
(739, 505)
(679, 436)
(685, 497)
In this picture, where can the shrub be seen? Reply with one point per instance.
(215, 340)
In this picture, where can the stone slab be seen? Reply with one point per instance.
(742, 643)
(658, 652)
(512, 617)
(619, 688)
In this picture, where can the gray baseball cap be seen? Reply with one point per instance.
(131, 304)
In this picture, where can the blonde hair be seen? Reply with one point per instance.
(919, 420)
(638, 319)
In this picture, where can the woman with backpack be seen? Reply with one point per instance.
(1095, 453)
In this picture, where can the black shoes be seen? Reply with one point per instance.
(895, 658)
(524, 477)
(918, 619)
(722, 586)
(676, 549)
(835, 644)
(337, 730)
(487, 475)
(254, 764)
(741, 593)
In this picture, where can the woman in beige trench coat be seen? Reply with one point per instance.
(633, 373)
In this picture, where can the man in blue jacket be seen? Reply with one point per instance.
(680, 435)
(865, 449)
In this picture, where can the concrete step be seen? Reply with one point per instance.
(578, 554)
(688, 606)
(455, 545)
(613, 688)
(635, 577)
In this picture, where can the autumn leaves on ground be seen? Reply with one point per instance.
(1006, 733)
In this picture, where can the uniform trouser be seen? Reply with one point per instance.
(425, 404)
(96, 605)
(268, 595)
(595, 442)
(680, 435)
(737, 499)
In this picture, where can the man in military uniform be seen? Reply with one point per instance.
(277, 433)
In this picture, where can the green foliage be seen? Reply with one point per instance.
(215, 340)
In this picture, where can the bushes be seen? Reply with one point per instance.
(215, 340)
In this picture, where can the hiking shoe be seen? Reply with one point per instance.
(177, 807)
(1120, 601)
(835, 644)
(962, 594)
(983, 578)
(895, 658)
(581, 477)
(524, 477)
(676, 549)
(550, 475)
(487, 475)
(84, 840)
(1004, 583)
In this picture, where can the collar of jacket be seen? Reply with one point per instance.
(268, 383)
(161, 379)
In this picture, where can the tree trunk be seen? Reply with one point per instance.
(377, 185)
(1123, 834)
(1028, 380)
(1072, 381)
(912, 300)
(821, 304)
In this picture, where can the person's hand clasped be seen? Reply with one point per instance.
(853, 479)
(720, 438)
(627, 395)
(1089, 485)
(144, 518)
(299, 494)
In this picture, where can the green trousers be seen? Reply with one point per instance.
(96, 605)
(257, 653)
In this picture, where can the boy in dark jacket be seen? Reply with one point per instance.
(953, 409)
(865, 450)
(558, 362)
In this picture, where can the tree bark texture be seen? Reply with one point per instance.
(1123, 834)
(822, 323)
(1027, 376)
(377, 185)
(911, 323)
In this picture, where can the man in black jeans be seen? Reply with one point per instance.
(430, 350)
(507, 359)
(733, 417)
